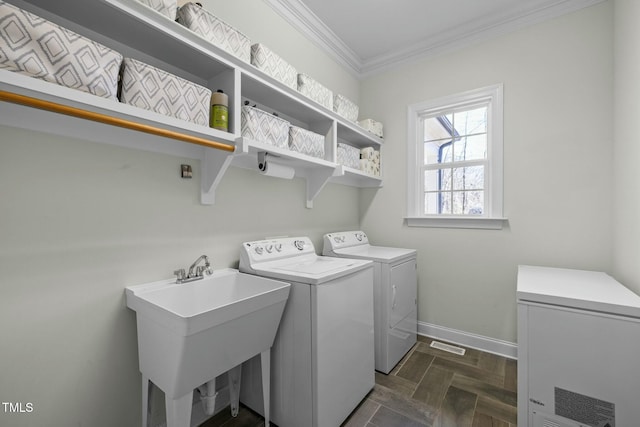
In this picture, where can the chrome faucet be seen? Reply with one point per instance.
(200, 271)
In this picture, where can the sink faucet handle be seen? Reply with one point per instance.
(180, 274)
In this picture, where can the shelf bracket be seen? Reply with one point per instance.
(316, 180)
(214, 164)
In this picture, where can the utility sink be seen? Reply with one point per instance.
(190, 333)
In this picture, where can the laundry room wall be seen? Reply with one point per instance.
(626, 151)
(79, 221)
(557, 78)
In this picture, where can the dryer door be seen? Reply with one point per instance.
(403, 285)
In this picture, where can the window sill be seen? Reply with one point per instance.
(456, 222)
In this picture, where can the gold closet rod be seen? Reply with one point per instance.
(110, 120)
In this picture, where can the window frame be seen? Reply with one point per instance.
(492, 217)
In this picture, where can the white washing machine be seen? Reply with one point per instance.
(322, 362)
(395, 293)
(578, 347)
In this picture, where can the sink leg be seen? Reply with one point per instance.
(179, 410)
(146, 384)
(235, 377)
(265, 362)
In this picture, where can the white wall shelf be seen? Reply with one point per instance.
(140, 32)
(354, 177)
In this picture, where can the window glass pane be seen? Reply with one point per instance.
(431, 151)
(446, 179)
(446, 153)
(431, 180)
(471, 148)
(435, 128)
(470, 122)
(445, 202)
(468, 202)
(474, 203)
(437, 152)
(431, 203)
(468, 178)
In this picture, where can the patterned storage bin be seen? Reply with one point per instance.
(264, 59)
(314, 90)
(168, 8)
(348, 155)
(345, 107)
(38, 48)
(215, 30)
(306, 142)
(264, 127)
(153, 89)
(372, 126)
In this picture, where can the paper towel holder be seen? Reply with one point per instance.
(262, 160)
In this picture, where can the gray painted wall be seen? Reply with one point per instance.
(79, 221)
(626, 151)
(557, 79)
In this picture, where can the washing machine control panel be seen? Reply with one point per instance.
(269, 250)
(345, 239)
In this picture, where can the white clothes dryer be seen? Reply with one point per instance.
(395, 293)
(322, 359)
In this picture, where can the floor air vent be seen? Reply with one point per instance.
(446, 347)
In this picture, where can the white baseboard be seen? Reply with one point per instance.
(466, 339)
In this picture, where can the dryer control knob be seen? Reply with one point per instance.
(269, 248)
(278, 247)
(359, 236)
(299, 244)
(336, 239)
(259, 250)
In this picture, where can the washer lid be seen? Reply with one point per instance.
(376, 253)
(588, 290)
(311, 269)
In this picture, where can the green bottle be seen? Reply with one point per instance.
(219, 117)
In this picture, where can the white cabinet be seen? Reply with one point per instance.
(139, 32)
(578, 345)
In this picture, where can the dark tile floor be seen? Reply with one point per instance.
(428, 388)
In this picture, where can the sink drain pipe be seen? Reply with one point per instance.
(208, 396)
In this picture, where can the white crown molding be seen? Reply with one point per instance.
(303, 19)
(473, 33)
(308, 23)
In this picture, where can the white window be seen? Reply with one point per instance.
(454, 161)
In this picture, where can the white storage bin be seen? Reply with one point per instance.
(314, 90)
(372, 126)
(157, 90)
(345, 107)
(264, 127)
(306, 142)
(168, 8)
(38, 48)
(348, 156)
(266, 60)
(215, 30)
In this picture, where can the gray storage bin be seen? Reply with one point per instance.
(264, 127)
(38, 48)
(345, 107)
(306, 142)
(168, 8)
(266, 60)
(314, 90)
(348, 156)
(372, 126)
(215, 30)
(153, 89)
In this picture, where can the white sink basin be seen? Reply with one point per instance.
(192, 332)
